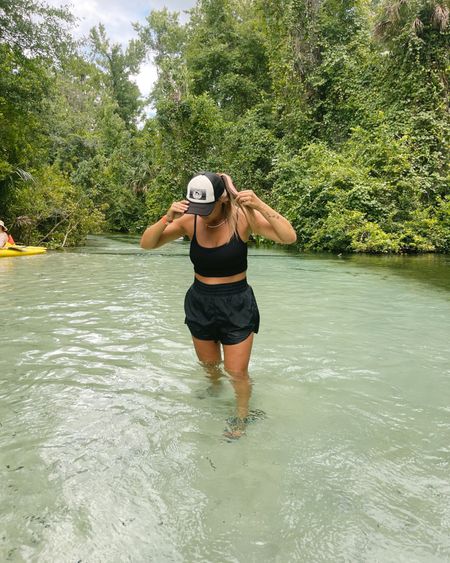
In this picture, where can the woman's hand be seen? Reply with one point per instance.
(162, 232)
(248, 198)
(265, 221)
(177, 209)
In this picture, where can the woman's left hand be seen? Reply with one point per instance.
(248, 198)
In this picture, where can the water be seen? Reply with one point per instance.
(111, 438)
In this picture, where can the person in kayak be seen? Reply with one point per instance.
(220, 307)
(5, 237)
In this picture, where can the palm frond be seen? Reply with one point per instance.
(24, 175)
(440, 17)
(417, 26)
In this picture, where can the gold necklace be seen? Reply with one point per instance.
(218, 225)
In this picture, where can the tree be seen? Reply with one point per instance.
(226, 55)
(33, 38)
(165, 40)
(117, 67)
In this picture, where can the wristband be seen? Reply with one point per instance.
(165, 220)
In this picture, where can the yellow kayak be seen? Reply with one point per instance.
(18, 250)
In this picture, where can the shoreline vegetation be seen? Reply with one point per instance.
(335, 113)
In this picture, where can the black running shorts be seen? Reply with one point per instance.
(225, 313)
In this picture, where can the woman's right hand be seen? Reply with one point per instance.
(177, 209)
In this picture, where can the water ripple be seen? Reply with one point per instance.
(111, 437)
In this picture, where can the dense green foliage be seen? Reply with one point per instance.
(336, 112)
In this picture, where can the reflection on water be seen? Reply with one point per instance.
(112, 442)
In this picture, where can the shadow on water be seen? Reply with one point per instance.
(431, 269)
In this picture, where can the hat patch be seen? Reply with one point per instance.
(197, 194)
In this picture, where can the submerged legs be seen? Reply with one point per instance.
(209, 354)
(236, 360)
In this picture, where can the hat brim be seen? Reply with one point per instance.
(200, 208)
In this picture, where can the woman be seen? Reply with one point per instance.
(5, 237)
(220, 306)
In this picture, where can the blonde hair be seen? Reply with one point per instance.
(231, 211)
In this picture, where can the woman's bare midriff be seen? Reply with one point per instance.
(216, 281)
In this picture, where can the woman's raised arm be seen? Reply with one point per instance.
(264, 220)
(168, 228)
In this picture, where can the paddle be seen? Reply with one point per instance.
(20, 249)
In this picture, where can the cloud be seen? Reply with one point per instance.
(146, 78)
(117, 17)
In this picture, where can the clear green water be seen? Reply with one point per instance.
(111, 445)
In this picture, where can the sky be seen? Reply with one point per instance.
(117, 15)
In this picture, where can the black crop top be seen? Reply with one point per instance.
(219, 261)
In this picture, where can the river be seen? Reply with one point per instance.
(112, 445)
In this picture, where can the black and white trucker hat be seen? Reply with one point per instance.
(203, 191)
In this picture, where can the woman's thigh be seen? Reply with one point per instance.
(237, 356)
(207, 351)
